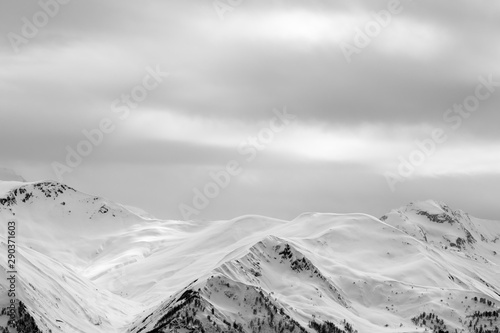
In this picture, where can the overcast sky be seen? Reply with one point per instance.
(358, 91)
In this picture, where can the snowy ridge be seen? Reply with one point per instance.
(89, 265)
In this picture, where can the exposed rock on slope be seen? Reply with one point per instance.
(86, 264)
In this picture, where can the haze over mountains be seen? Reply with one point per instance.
(87, 264)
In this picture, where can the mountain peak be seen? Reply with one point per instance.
(114, 271)
(436, 223)
(429, 205)
(435, 211)
(12, 193)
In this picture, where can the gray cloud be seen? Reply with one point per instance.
(65, 79)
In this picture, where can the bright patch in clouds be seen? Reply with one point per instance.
(414, 39)
(465, 159)
(377, 146)
(297, 26)
(178, 127)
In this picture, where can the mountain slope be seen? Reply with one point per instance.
(86, 264)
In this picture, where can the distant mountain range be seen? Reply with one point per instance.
(86, 264)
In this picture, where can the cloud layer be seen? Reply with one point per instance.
(356, 119)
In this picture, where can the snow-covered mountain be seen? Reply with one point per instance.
(86, 264)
